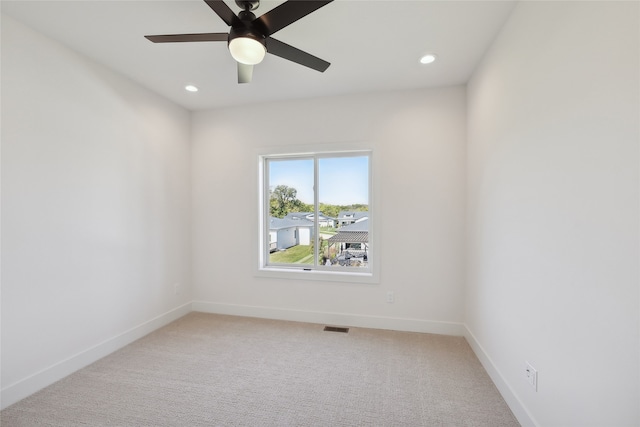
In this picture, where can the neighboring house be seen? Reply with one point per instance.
(351, 217)
(285, 233)
(351, 241)
(323, 221)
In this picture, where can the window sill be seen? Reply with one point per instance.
(317, 275)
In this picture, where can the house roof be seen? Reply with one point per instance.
(280, 223)
(356, 226)
(353, 214)
(351, 237)
(354, 233)
(301, 215)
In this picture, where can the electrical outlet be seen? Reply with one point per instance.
(391, 297)
(177, 288)
(531, 375)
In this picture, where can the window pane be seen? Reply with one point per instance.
(291, 207)
(344, 211)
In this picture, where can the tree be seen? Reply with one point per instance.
(329, 210)
(334, 210)
(283, 200)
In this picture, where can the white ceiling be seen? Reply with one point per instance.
(371, 45)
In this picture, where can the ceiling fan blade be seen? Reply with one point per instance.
(287, 13)
(245, 73)
(223, 11)
(176, 38)
(291, 53)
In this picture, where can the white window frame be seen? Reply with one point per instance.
(315, 272)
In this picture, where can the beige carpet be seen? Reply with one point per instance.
(213, 370)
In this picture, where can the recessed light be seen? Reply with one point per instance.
(191, 88)
(428, 58)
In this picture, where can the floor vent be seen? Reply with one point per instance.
(336, 329)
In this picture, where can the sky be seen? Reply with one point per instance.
(342, 180)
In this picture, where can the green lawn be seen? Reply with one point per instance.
(328, 230)
(293, 255)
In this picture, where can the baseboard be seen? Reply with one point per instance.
(23, 388)
(516, 406)
(335, 319)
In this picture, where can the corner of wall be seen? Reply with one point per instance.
(517, 407)
(18, 391)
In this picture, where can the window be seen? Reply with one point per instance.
(316, 212)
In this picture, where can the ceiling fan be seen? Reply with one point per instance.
(249, 38)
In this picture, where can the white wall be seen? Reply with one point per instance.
(95, 211)
(553, 212)
(419, 152)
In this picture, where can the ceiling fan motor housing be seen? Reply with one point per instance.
(248, 4)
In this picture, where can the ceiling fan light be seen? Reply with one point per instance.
(247, 50)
